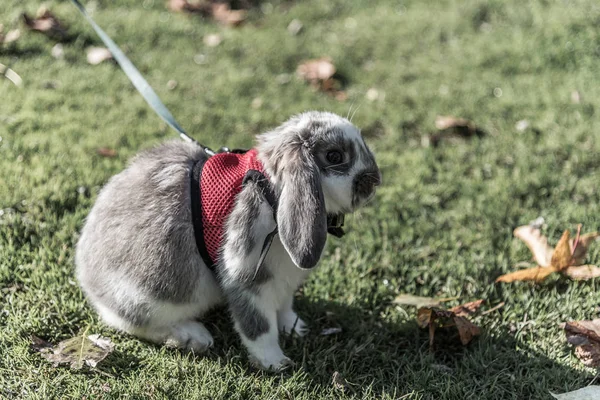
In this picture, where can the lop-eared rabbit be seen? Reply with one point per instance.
(180, 231)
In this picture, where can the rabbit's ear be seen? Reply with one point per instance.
(301, 215)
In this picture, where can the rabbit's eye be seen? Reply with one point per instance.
(334, 157)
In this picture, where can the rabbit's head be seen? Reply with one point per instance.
(319, 164)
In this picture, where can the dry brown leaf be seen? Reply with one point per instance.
(460, 126)
(222, 13)
(466, 330)
(585, 335)
(77, 351)
(47, 23)
(564, 258)
(444, 122)
(464, 310)
(536, 274)
(579, 249)
(453, 129)
(537, 243)
(320, 74)
(106, 152)
(433, 317)
(561, 257)
(314, 71)
(10, 75)
(10, 36)
(583, 272)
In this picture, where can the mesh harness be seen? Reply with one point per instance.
(216, 180)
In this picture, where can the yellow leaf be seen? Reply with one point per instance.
(561, 258)
(536, 274)
(537, 243)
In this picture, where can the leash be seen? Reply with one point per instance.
(138, 81)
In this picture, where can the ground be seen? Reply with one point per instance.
(441, 225)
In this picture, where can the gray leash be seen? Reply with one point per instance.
(137, 79)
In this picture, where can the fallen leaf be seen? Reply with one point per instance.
(372, 94)
(583, 272)
(10, 75)
(579, 249)
(453, 129)
(522, 125)
(587, 393)
(330, 331)
(446, 122)
(564, 258)
(222, 13)
(417, 301)
(320, 74)
(585, 335)
(537, 243)
(316, 70)
(58, 51)
(106, 152)
(536, 274)
(434, 317)
(96, 55)
(460, 126)
(212, 40)
(47, 23)
(77, 351)
(466, 330)
(172, 84)
(294, 27)
(561, 257)
(10, 36)
(467, 309)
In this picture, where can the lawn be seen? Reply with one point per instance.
(441, 225)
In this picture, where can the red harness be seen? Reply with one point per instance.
(216, 181)
(221, 181)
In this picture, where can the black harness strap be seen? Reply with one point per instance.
(197, 212)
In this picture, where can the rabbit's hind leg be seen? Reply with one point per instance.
(187, 335)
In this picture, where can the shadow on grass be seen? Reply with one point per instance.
(376, 357)
(395, 358)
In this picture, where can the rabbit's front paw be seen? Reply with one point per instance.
(273, 362)
(289, 321)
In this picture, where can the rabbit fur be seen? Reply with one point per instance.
(137, 260)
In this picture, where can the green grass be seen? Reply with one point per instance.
(440, 226)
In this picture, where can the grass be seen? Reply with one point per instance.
(440, 226)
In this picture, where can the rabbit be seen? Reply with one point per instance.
(140, 266)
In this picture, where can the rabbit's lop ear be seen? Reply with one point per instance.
(301, 214)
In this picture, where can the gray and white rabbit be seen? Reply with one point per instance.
(139, 264)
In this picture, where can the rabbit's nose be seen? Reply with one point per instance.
(367, 181)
